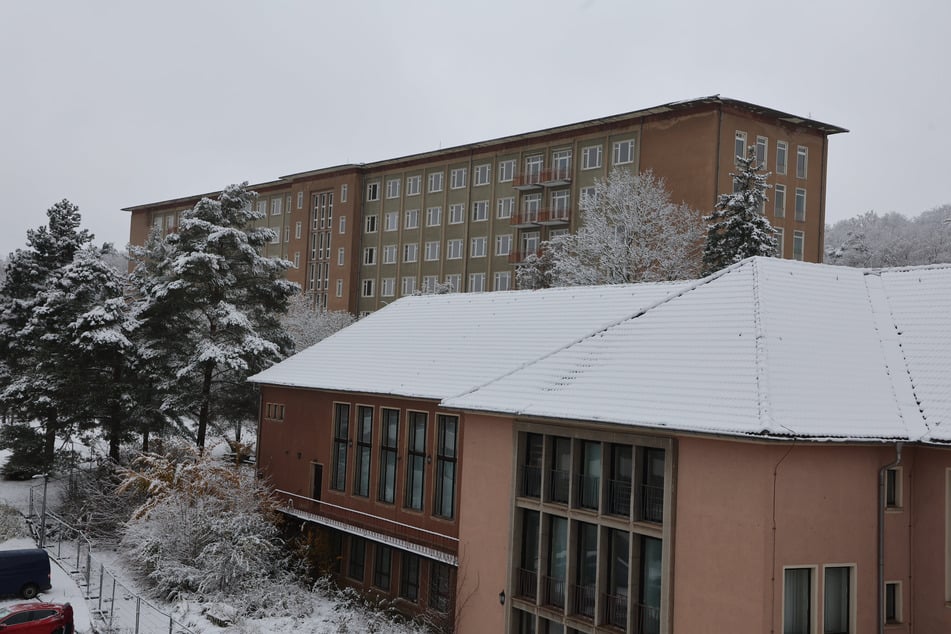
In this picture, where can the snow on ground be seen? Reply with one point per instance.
(329, 614)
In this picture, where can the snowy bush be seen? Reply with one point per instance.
(26, 451)
(206, 531)
(12, 524)
(90, 502)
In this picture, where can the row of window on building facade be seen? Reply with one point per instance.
(761, 145)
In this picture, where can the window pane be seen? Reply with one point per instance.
(836, 600)
(797, 594)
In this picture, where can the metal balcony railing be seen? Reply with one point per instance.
(526, 584)
(614, 610)
(554, 216)
(524, 218)
(646, 619)
(652, 504)
(583, 600)
(558, 483)
(588, 488)
(530, 479)
(619, 498)
(373, 523)
(554, 591)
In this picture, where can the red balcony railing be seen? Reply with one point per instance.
(525, 218)
(554, 216)
(529, 180)
(374, 523)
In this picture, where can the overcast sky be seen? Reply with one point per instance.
(119, 103)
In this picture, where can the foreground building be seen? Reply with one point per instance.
(360, 236)
(765, 449)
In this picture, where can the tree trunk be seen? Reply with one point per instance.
(145, 440)
(49, 438)
(205, 412)
(115, 418)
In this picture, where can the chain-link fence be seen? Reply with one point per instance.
(115, 608)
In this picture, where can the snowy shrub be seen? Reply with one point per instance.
(205, 531)
(26, 446)
(12, 524)
(90, 502)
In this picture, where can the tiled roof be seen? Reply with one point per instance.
(767, 348)
(435, 346)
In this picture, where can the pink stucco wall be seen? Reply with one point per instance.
(746, 510)
(485, 505)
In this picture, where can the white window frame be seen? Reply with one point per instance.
(287, 233)
(762, 142)
(369, 224)
(800, 208)
(457, 214)
(778, 233)
(277, 204)
(898, 504)
(341, 256)
(407, 285)
(434, 182)
(431, 251)
(480, 211)
(457, 178)
(339, 287)
(505, 207)
(782, 152)
(300, 200)
(454, 281)
(433, 216)
(503, 244)
(411, 252)
(388, 287)
(800, 238)
(497, 281)
(739, 145)
(454, 249)
(851, 607)
(479, 247)
(802, 161)
(899, 617)
(296, 259)
(779, 200)
(373, 191)
(412, 219)
(482, 174)
(507, 171)
(369, 256)
(368, 288)
(813, 596)
(393, 188)
(391, 221)
(298, 227)
(592, 157)
(343, 193)
(389, 253)
(619, 159)
(429, 283)
(413, 185)
(342, 225)
(476, 279)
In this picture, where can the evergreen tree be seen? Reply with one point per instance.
(738, 228)
(34, 387)
(211, 304)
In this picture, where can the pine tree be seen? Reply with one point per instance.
(738, 228)
(211, 307)
(34, 388)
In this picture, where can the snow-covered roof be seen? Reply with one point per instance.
(436, 346)
(767, 348)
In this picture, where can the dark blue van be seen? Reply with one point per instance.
(25, 572)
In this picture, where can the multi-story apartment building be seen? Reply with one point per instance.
(360, 236)
(764, 450)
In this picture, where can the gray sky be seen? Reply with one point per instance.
(118, 103)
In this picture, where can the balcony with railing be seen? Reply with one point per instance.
(652, 504)
(554, 591)
(614, 610)
(558, 483)
(554, 216)
(526, 584)
(517, 257)
(557, 176)
(646, 619)
(588, 489)
(619, 497)
(530, 481)
(525, 218)
(428, 543)
(583, 599)
(528, 180)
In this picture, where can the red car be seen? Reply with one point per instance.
(36, 618)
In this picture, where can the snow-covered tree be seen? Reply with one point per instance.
(35, 377)
(306, 325)
(738, 228)
(891, 239)
(211, 304)
(630, 231)
(206, 530)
